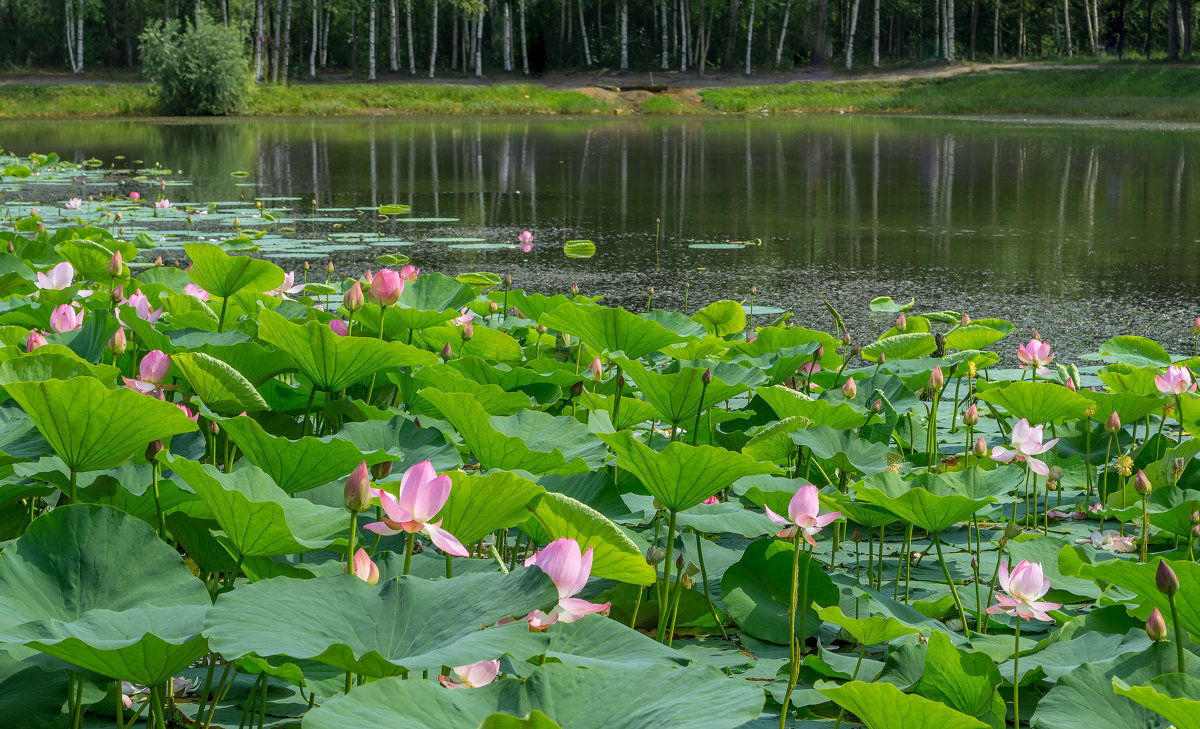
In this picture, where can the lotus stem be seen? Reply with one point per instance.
(208, 677)
(1087, 455)
(371, 389)
(907, 560)
(1145, 528)
(797, 642)
(699, 410)
(1178, 633)
(222, 688)
(879, 577)
(931, 438)
(350, 540)
(73, 486)
(1017, 674)
(162, 521)
(664, 590)
(982, 623)
(1107, 457)
(408, 550)
(704, 577)
(221, 319)
(937, 540)
(675, 597)
(637, 604)
(617, 407)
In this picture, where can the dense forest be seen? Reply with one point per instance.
(300, 39)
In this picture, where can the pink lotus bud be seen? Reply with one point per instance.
(115, 265)
(329, 267)
(575, 292)
(493, 307)
(1196, 326)
(971, 417)
(447, 353)
(34, 341)
(1165, 579)
(364, 569)
(135, 195)
(158, 261)
(1141, 483)
(381, 471)
(340, 327)
(596, 369)
(506, 279)
(1113, 425)
(66, 318)
(353, 300)
(901, 323)
(877, 406)
(1070, 384)
(154, 367)
(118, 343)
(1156, 627)
(965, 320)
(386, 287)
(936, 378)
(706, 378)
(153, 449)
(882, 357)
(357, 494)
(849, 389)
(981, 449)
(819, 354)
(577, 389)
(468, 331)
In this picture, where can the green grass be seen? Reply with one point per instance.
(342, 99)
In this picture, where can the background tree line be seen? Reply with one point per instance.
(299, 39)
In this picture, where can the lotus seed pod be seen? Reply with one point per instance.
(153, 449)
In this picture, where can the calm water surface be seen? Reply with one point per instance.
(1081, 230)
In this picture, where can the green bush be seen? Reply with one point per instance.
(200, 69)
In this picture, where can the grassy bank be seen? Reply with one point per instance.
(1156, 92)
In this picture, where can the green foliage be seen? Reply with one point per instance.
(198, 71)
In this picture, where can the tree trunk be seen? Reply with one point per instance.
(316, 41)
(433, 39)
(684, 31)
(818, 53)
(287, 40)
(731, 36)
(199, 9)
(750, 37)
(479, 46)
(624, 35)
(275, 41)
(225, 12)
(508, 36)
(412, 60)
(665, 62)
(371, 41)
(524, 42)
(875, 37)
(1187, 27)
(354, 41)
(587, 51)
(325, 37)
(128, 36)
(393, 37)
(259, 32)
(705, 39)
(1067, 26)
(974, 28)
(1021, 33)
(996, 33)
(787, 14)
(1149, 27)
(850, 36)
(1172, 30)
(949, 30)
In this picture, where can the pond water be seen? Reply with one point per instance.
(1080, 230)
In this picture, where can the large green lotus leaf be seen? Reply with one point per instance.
(1175, 697)
(757, 591)
(335, 362)
(91, 259)
(681, 475)
(481, 504)
(633, 411)
(932, 512)
(67, 588)
(494, 449)
(883, 706)
(533, 720)
(889, 305)
(222, 275)
(615, 556)
(871, 630)
(195, 537)
(900, 346)
(188, 312)
(1135, 351)
(1038, 402)
(721, 318)
(491, 345)
(403, 439)
(55, 362)
(1045, 551)
(973, 336)
(1140, 579)
(773, 442)
(31, 689)
(1085, 699)
(788, 403)
(531, 306)
(965, 682)
(776, 364)
(255, 362)
(405, 623)
(1128, 406)
(695, 697)
(847, 451)
(726, 517)
(297, 465)
(972, 482)
(890, 387)
(259, 518)
(494, 399)
(219, 386)
(611, 329)
(599, 642)
(678, 396)
(434, 291)
(779, 339)
(93, 428)
(913, 325)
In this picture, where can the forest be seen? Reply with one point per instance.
(311, 39)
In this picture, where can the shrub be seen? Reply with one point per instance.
(200, 69)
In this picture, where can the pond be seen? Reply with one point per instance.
(1077, 229)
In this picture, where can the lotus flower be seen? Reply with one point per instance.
(339, 327)
(163, 204)
(711, 500)
(152, 371)
(386, 287)
(287, 286)
(135, 195)
(467, 315)
(364, 569)
(1026, 443)
(141, 305)
(1110, 540)
(810, 368)
(73, 204)
(563, 561)
(194, 290)
(66, 318)
(57, 279)
(472, 676)
(1025, 585)
(804, 510)
(1035, 354)
(422, 495)
(1177, 381)
(195, 417)
(409, 273)
(526, 241)
(34, 341)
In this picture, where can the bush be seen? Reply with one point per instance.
(200, 69)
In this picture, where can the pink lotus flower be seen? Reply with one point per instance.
(711, 500)
(1110, 540)
(339, 327)
(66, 318)
(135, 195)
(409, 273)
(804, 510)
(386, 287)
(152, 371)
(1177, 381)
(570, 568)
(195, 417)
(141, 305)
(526, 241)
(1025, 585)
(57, 279)
(194, 290)
(34, 341)
(467, 315)
(1036, 354)
(163, 204)
(73, 204)
(472, 676)
(1026, 443)
(364, 569)
(287, 286)
(810, 368)
(422, 495)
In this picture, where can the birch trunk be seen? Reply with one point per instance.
(225, 12)
(479, 46)
(850, 36)
(996, 33)
(259, 32)
(1067, 25)
(665, 62)
(587, 51)
(275, 41)
(683, 35)
(508, 36)
(393, 37)
(412, 60)
(316, 41)
(787, 13)
(325, 37)
(624, 35)
(524, 42)
(74, 22)
(819, 54)
(949, 30)
(287, 40)
(750, 36)
(199, 9)
(371, 42)
(433, 40)
(875, 37)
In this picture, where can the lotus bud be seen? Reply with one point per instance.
(329, 267)
(595, 369)
(493, 307)
(381, 471)
(679, 562)
(1156, 627)
(1011, 530)
(216, 429)
(115, 265)
(655, 554)
(1196, 326)
(574, 289)
(849, 389)
(974, 561)
(1113, 425)
(354, 300)
(158, 262)
(971, 417)
(506, 279)
(936, 378)
(621, 381)
(34, 341)
(819, 354)
(118, 343)
(306, 266)
(855, 351)
(447, 353)
(706, 378)
(153, 449)
(468, 331)
(901, 323)
(1195, 519)
(981, 449)
(1196, 531)
(965, 320)
(856, 535)
(357, 494)
(877, 406)
(1165, 579)
(882, 358)
(117, 295)
(10, 247)
(1141, 483)
(540, 329)
(577, 389)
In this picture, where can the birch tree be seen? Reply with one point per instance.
(412, 60)
(850, 36)
(371, 41)
(432, 39)
(74, 19)
(787, 13)
(587, 51)
(316, 37)
(393, 37)
(260, 32)
(287, 40)
(524, 42)
(750, 36)
(624, 35)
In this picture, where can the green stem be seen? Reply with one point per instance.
(797, 642)
(907, 560)
(73, 486)
(208, 677)
(156, 706)
(982, 624)
(221, 319)
(408, 550)
(931, 438)
(371, 389)
(616, 410)
(637, 604)
(350, 541)
(1017, 675)
(699, 410)
(162, 521)
(704, 577)
(1178, 634)
(937, 540)
(1145, 527)
(664, 591)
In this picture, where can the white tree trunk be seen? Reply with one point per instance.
(433, 40)
(624, 35)
(371, 42)
(325, 37)
(1067, 23)
(199, 9)
(587, 51)
(949, 30)
(275, 41)
(996, 33)
(259, 32)
(412, 60)
(750, 36)
(479, 46)
(508, 37)
(287, 40)
(393, 37)
(225, 12)
(316, 41)
(787, 14)
(850, 37)
(684, 35)
(875, 38)
(665, 62)
(524, 42)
